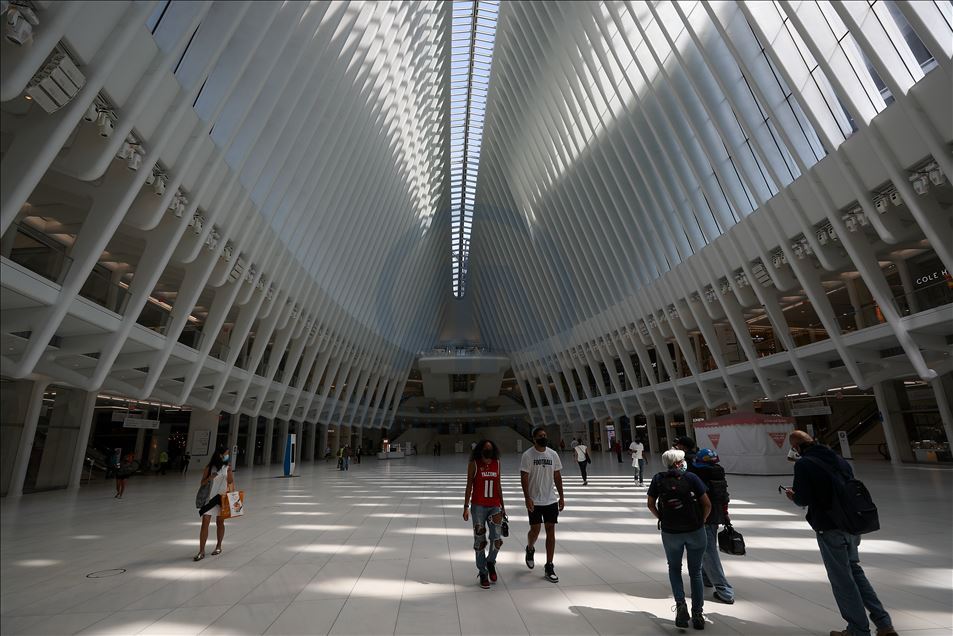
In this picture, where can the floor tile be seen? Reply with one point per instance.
(125, 622)
(307, 617)
(246, 618)
(186, 620)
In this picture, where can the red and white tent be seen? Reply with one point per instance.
(748, 443)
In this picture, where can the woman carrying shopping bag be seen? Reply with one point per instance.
(217, 476)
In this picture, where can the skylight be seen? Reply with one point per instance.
(471, 56)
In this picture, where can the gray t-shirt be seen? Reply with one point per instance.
(541, 467)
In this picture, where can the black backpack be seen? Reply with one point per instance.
(852, 508)
(718, 493)
(678, 507)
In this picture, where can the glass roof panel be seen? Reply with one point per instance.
(473, 35)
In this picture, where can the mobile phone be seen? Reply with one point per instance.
(782, 488)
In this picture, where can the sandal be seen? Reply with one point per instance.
(199, 556)
(216, 551)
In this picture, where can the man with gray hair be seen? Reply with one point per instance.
(679, 500)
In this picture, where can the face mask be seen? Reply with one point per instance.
(487, 453)
(540, 441)
(225, 459)
(681, 468)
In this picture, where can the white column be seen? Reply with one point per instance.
(266, 447)
(892, 420)
(234, 422)
(669, 432)
(250, 440)
(299, 442)
(140, 448)
(323, 440)
(282, 440)
(854, 296)
(907, 282)
(201, 424)
(82, 440)
(27, 436)
(651, 431)
(689, 429)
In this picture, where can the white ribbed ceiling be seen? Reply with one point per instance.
(312, 184)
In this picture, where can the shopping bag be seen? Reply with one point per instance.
(233, 504)
(730, 541)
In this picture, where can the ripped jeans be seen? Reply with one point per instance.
(483, 525)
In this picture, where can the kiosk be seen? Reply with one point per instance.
(289, 463)
(748, 443)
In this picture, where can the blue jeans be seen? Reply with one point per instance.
(694, 544)
(711, 564)
(852, 590)
(485, 534)
(640, 471)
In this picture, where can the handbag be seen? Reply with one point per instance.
(203, 495)
(730, 541)
(233, 504)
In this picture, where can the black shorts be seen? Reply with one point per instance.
(544, 514)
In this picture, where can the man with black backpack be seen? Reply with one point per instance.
(679, 500)
(839, 510)
(705, 465)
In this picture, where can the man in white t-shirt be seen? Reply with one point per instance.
(636, 449)
(582, 458)
(540, 471)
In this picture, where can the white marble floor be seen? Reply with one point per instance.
(382, 549)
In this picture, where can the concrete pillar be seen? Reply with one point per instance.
(234, 422)
(140, 448)
(651, 431)
(906, 281)
(250, 440)
(305, 440)
(689, 429)
(323, 440)
(669, 431)
(203, 430)
(266, 446)
(943, 389)
(33, 392)
(853, 294)
(82, 440)
(895, 431)
(62, 438)
(282, 441)
(299, 442)
(317, 452)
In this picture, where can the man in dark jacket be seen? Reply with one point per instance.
(705, 465)
(813, 487)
